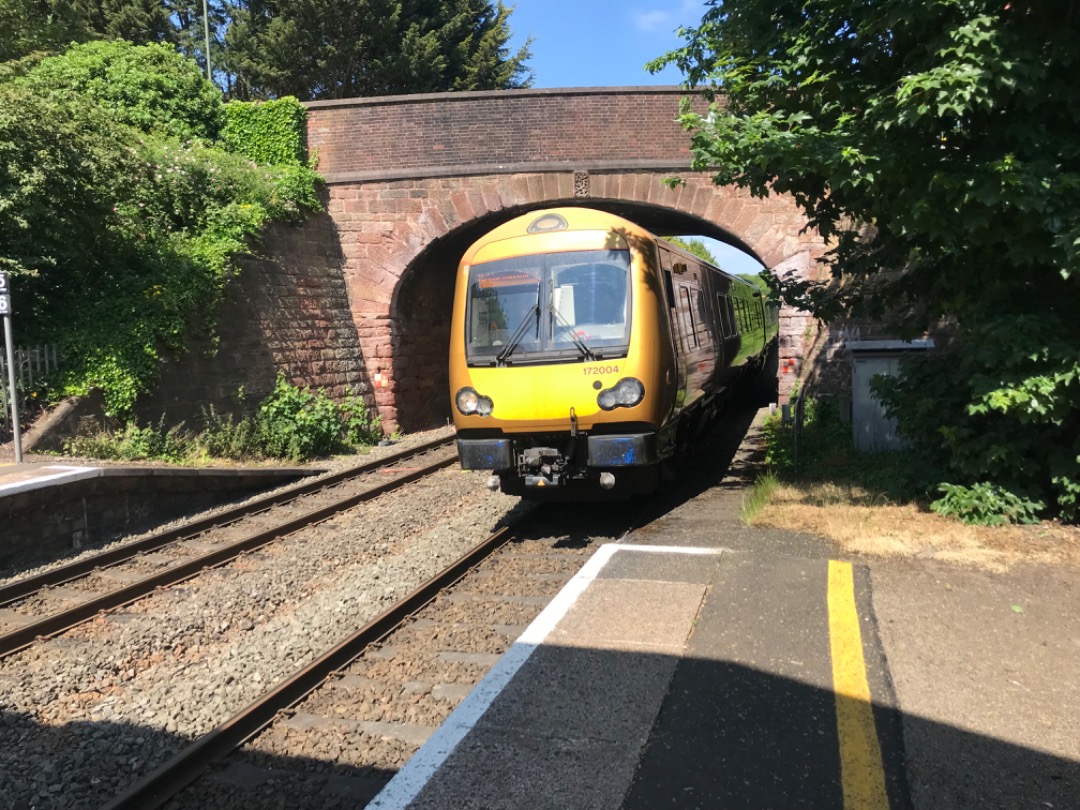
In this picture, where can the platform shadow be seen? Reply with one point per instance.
(579, 727)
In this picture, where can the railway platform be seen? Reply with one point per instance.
(665, 676)
(702, 663)
(48, 509)
(30, 475)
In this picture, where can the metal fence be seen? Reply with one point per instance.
(32, 367)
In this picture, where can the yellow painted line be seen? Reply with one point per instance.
(861, 770)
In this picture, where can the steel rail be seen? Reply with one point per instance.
(168, 779)
(66, 573)
(26, 635)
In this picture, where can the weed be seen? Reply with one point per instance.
(760, 494)
(291, 423)
(986, 504)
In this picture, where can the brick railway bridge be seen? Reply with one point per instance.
(413, 180)
(359, 297)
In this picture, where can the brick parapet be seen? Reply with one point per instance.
(503, 131)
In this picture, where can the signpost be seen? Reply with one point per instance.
(13, 398)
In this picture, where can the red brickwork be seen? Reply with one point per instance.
(288, 310)
(508, 129)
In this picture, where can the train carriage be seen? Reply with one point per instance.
(585, 352)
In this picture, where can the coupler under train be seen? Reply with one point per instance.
(561, 465)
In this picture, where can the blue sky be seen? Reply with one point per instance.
(606, 43)
(600, 43)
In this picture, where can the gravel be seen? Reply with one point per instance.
(84, 714)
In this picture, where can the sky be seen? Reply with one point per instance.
(600, 43)
(606, 43)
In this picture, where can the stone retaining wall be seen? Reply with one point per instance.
(45, 523)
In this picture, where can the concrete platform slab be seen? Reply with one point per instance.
(16, 478)
(631, 616)
(577, 693)
(504, 770)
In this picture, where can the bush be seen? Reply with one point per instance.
(121, 241)
(150, 87)
(290, 423)
(133, 443)
(295, 423)
(827, 453)
(824, 438)
(986, 504)
(359, 425)
(1001, 407)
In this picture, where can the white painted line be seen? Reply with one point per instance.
(411, 779)
(65, 474)
(691, 550)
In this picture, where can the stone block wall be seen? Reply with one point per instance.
(287, 310)
(51, 521)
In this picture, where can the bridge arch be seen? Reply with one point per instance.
(413, 180)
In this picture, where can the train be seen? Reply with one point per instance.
(587, 355)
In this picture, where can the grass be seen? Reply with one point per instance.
(761, 493)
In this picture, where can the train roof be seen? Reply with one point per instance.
(577, 218)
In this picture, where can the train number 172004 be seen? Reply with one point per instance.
(592, 371)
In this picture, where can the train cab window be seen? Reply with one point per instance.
(552, 306)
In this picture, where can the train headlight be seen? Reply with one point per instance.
(470, 402)
(626, 393)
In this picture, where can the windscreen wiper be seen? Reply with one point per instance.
(574, 336)
(515, 339)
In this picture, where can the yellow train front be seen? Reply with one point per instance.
(566, 372)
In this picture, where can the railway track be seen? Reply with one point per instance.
(61, 598)
(366, 705)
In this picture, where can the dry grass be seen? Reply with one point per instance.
(864, 523)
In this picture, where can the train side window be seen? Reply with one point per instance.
(686, 315)
(665, 271)
(724, 304)
(702, 330)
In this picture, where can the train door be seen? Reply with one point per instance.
(692, 332)
(678, 333)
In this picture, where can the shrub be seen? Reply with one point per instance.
(150, 87)
(1001, 407)
(296, 423)
(290, 423)
(986, 504)
(133, 443)
(359, 425)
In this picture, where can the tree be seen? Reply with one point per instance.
(148, 87)
(933, 144)
(317, 49)
(27, 26)
(694, 247)
(51, 25)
